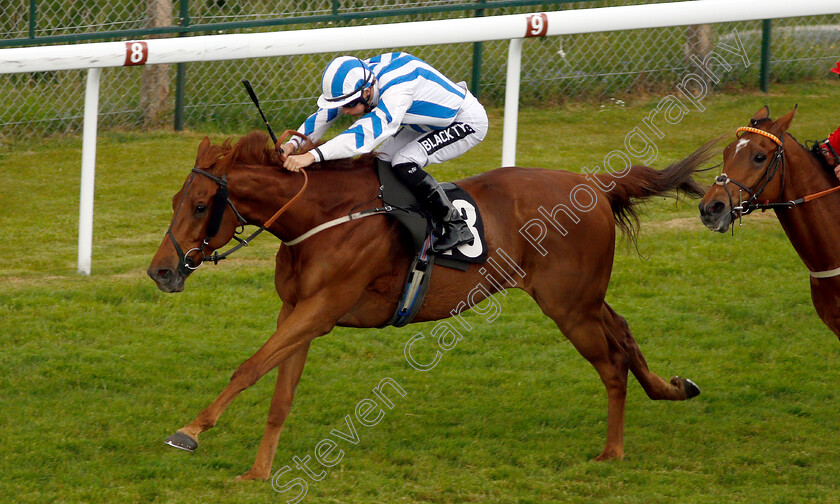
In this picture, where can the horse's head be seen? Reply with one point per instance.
(753, 170)
(204, 220)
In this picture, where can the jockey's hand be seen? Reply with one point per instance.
(837, 171)
(295, 163)
(287, 148)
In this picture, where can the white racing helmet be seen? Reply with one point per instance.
(343, 81)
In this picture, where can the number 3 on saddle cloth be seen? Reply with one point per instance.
(410, 213)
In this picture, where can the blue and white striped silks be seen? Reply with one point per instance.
(407, 92)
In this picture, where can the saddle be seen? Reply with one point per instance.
(405, 207)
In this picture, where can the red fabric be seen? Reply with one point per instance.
(836, 69)
(834, 140)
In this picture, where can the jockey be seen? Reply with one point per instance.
(411, 113)
(830, 147)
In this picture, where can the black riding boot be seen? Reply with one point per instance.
(454, 230)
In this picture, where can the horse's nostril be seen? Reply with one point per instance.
(164, 274)
(715, 208)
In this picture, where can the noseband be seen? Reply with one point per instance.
(221, 201)
(746, 207)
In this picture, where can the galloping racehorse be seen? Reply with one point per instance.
(551, 230)
(766, 168)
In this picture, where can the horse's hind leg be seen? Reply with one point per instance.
(288, 376)
(677, 389)
(589, 336)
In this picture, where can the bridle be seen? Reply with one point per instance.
(221, 200)
(778, 161)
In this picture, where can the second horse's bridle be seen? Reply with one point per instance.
(746, 207)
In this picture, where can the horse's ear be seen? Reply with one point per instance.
(203, 145)
(202, 148)
(783, 123)
(763, 113)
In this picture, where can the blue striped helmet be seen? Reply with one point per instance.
(343, 81)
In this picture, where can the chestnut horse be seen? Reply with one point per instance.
(557, 248)
(767, 168)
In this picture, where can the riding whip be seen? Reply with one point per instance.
(256, 101)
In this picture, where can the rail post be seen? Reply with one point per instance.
(89, 129)
(766, 27)
(514, 67)
(181, 72)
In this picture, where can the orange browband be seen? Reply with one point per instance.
(747, 129)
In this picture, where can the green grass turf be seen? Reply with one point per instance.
(96, 371)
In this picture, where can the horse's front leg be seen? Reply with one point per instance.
(309, 319)
(827, 301)
(288, 376)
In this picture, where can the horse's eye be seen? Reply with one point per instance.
(200, 209)
(760, 158)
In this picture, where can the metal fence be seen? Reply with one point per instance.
(598, 66)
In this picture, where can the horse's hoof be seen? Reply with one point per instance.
(248, 476)
(182, 442)
(691, 388)
(610, 455)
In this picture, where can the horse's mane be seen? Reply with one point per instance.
(256, 148)
(815, 155)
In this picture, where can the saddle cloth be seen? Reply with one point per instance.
(418, 222)
(406, 209)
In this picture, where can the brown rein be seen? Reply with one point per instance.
(812, 197)
(286, 134)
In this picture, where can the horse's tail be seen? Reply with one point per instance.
(643, 182)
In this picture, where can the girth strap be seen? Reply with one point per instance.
(336, 222)
(825, 274)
